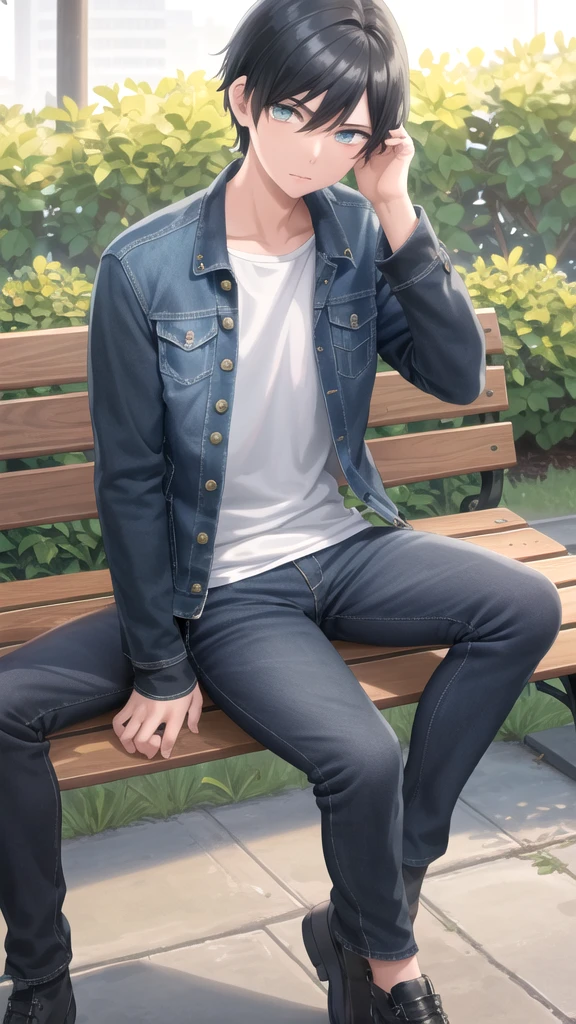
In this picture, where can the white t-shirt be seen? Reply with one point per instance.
(280, 498)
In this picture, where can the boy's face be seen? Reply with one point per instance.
(302, 162)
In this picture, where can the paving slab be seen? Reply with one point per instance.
(473, 990)
(283, 833)
(155, 884)
(566, 853)
(244, 979)
(530, 801)
(523, 919)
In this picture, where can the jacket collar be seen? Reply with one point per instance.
(210, 249)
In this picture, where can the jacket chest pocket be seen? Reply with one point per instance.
(353, 328)
(187, 348)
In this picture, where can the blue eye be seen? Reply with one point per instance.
(285, 110)
(349, 132)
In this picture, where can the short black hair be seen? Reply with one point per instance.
(285, 47)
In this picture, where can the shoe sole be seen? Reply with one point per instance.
(349, 995)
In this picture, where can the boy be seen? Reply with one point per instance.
(233, 347)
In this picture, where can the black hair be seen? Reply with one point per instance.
(285, 47)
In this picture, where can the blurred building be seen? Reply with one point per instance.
(7, 90)
(191, 40)
(127, 39)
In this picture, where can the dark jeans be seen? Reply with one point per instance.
(262, 651)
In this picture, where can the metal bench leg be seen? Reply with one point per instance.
(568, 698)
(558, 745)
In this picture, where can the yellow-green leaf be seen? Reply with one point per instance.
(499, 262)
(101, 173)
(543, 315)
(566, 328)
(505, 131)
(475, 56)
(426, 59)
(551, 261)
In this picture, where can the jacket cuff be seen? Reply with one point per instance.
(415, 258)
(167, 683)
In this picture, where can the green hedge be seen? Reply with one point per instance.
(71, 180)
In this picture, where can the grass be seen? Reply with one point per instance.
(115, 804)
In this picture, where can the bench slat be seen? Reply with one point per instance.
(97, 583)
(30, 359)
(24, 624)
(47, 424)
(86, 760)
(63, 493)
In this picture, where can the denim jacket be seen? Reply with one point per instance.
(162, 359)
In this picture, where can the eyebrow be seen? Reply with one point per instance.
(362, 127)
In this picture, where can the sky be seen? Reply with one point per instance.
(442, 25)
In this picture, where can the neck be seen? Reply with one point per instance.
(257, 209)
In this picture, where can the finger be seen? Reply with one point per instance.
(170, 735)
(127, 735)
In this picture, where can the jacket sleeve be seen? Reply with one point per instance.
(127, 413)
(427, 327)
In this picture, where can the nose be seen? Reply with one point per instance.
(315, 148)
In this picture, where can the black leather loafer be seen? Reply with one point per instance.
(413, 1000)
(348, 974)
(51, 1003)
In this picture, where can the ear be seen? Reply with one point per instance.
(238, 102)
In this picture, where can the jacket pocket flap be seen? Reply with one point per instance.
(352, 313)
(188, 334)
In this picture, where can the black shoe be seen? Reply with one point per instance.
(413, 1000)
(348, 974)
(50, 1003)
(413, 878)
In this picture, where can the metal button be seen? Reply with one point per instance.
(201, 266)
(210, 485)
(196, 588)
(354, 320)
(228, 323)
(215, 438)
(326, 281)
(221, 405)
(226, 364)
(202, 538)
(347, 252)
(226, 285)
(200, 256)
(189, 335)
(320, 348)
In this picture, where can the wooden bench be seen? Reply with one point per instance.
(90, 753)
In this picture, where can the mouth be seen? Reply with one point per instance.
(301, 176)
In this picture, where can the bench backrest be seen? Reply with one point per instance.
(45, 425)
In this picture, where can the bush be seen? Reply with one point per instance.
(71, 180)
(43, 296)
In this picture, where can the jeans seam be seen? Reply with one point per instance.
(440, 699)
(316, 615)
(39, 981)
(403, 618)
(57, 931)
(75, 703)
(204, 675)
(411, 951)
